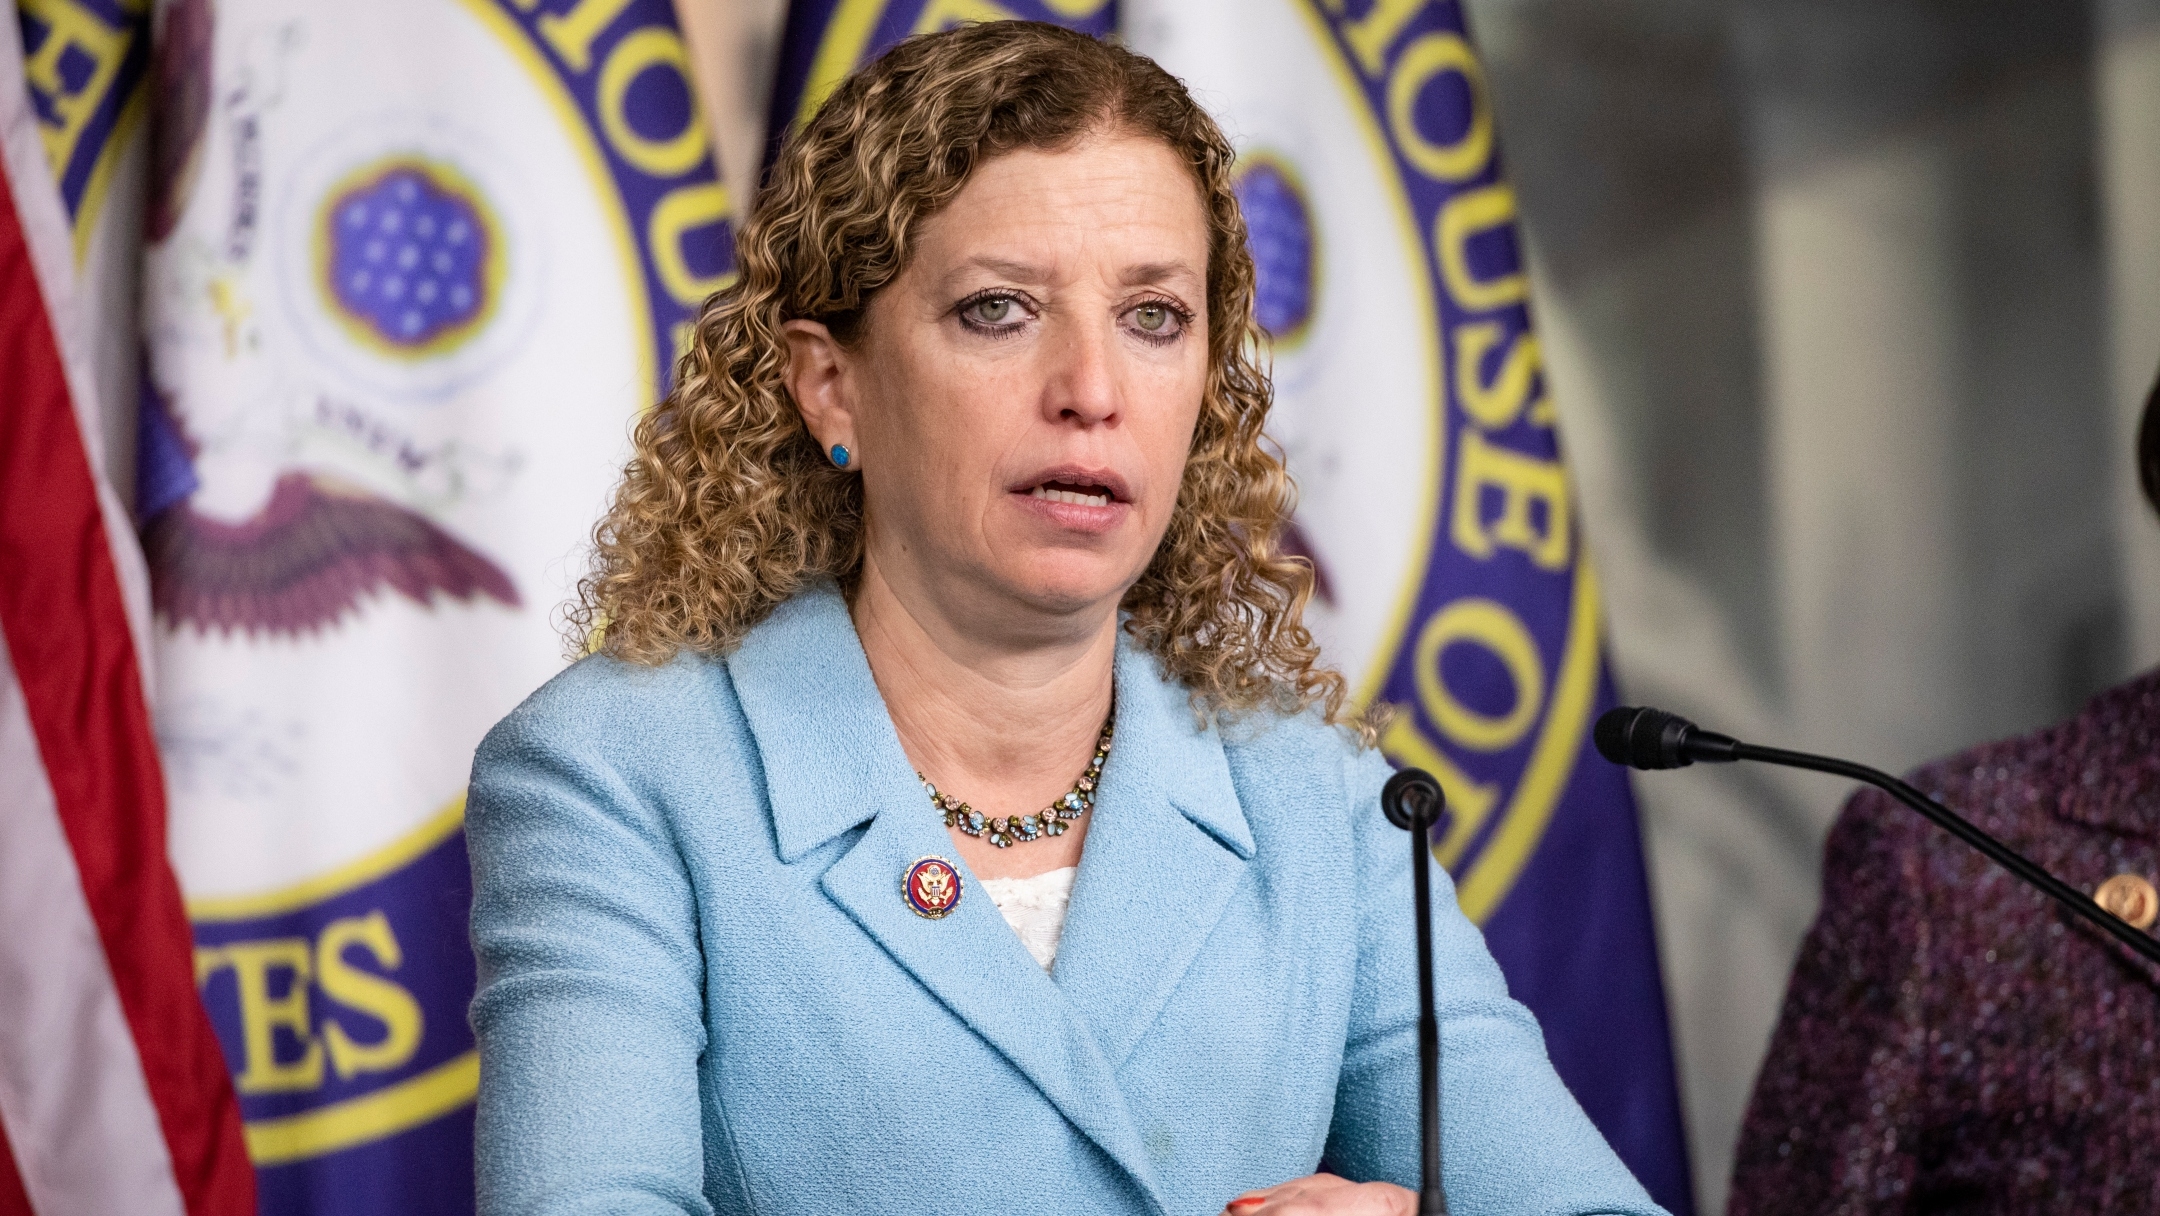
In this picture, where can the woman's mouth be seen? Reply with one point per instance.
(1076, 498)
(1073, 494)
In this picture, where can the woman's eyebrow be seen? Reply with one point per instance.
(1004, 268)
(1154, 274)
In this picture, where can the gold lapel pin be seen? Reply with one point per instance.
(2131, 898)
(931, 887)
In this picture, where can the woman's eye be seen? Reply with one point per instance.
(1156, 321)
(993, 311)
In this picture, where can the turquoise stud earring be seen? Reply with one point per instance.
(840, 455)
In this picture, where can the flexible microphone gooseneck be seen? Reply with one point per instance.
(1412, 800)
(1654, 739)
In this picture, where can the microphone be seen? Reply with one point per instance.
(1653, 739)
(1412, 800)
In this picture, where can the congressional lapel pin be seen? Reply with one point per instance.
(2130, 898)
(931, 888)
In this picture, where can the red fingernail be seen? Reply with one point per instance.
(1247, 1203)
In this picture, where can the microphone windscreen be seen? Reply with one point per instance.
(1411, 795)
(1641, 737)
(1611, 734)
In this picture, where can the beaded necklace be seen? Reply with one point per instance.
(1007, 831)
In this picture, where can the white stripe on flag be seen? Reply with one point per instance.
(79, 1117)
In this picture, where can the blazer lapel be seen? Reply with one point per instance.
(971, 961)
(827, 747)
(1167, 849)
(832, 760)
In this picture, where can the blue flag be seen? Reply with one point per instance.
(413, 268)
(827, 39)
(1412, 404)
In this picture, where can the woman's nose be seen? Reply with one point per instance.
(1082, 385)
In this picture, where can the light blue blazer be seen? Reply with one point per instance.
(701, 990)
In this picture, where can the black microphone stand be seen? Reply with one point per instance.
(1654, 739)
(1412, 800)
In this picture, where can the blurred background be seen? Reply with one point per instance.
(1851, 306)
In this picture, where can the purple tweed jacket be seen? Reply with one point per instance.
(1952, 1041)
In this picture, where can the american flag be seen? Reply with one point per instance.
(114, 1095)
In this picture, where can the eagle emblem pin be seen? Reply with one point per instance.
(931, 888)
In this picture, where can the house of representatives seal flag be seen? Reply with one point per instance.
(827, 39)
(1413, 407)
(413, 269)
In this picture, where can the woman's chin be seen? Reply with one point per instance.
(1065, 583)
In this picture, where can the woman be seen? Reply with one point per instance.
(1951, 1041)
(949, 573)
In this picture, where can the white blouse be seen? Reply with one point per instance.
(1035, 908)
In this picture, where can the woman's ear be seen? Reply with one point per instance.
(819, 381)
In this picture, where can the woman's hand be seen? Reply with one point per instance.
(1325, 1195)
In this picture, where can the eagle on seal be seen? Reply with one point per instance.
(320, 544)
(306, 558)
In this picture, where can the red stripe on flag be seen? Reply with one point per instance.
(66, 627)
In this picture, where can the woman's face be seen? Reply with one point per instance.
(1023, 396)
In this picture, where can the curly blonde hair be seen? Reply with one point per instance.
(729, 507)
